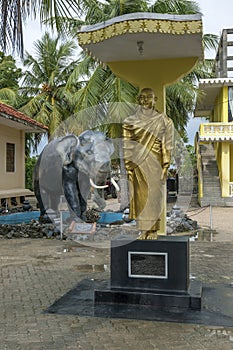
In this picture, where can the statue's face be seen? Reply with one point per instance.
(147, 98)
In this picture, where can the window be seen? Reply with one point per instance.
(10, 157)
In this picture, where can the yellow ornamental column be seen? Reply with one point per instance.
(225, 166)
(225, 104)
(225, 159)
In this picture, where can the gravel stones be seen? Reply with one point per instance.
(32, 230)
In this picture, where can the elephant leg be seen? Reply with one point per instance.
(37, 189)
(69, 178)
(83, 184)
(54, 201)
(39, 198)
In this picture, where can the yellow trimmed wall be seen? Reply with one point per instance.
(11, 180)
(221, 106)
(225, 167)
(223, 149)
(231, 162)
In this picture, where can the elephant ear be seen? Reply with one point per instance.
(65, 147)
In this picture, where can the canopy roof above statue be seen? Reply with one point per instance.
(143, 36)
(146, 49)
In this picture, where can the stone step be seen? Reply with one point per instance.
(210, 172)
(212, 199)
(212, 187)
(211, 182)
(207, 168)
(222, 202)
(213, 196)
(213, 178)
(210, 156)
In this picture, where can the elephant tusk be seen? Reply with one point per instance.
(96, 186)
(115, 184)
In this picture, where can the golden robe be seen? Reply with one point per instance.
(148, 142)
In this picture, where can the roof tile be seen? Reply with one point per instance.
(19, 116)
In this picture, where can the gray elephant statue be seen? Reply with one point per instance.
(69, 166)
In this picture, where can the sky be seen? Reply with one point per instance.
(217, 15)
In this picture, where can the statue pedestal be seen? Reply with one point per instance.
(151, 272)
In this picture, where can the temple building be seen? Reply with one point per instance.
(214, 141)
(13, 126)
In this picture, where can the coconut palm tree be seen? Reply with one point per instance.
(9, 80)
(14, 13)
(93, 89)
(45, 80)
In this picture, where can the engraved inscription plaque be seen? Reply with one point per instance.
(147, 265)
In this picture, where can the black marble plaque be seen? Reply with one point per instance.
(151, 273)
(147, 265)
(169, 272)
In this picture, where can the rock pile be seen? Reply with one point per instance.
(32, 230)
(178, 221)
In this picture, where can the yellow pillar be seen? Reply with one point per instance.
(225, 104)
(231, 162)
(225, 166)
(225, 159)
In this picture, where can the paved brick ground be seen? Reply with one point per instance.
(34, 273)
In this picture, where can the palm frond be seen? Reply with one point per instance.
(83, 70)
(180, 102)
(118, 8)
(9, 96)
(210, 41)
(13, 13)
(178, 7)
(89, 95)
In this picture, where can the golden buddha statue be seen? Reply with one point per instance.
(148, 143)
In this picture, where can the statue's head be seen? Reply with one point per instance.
(147, 98)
